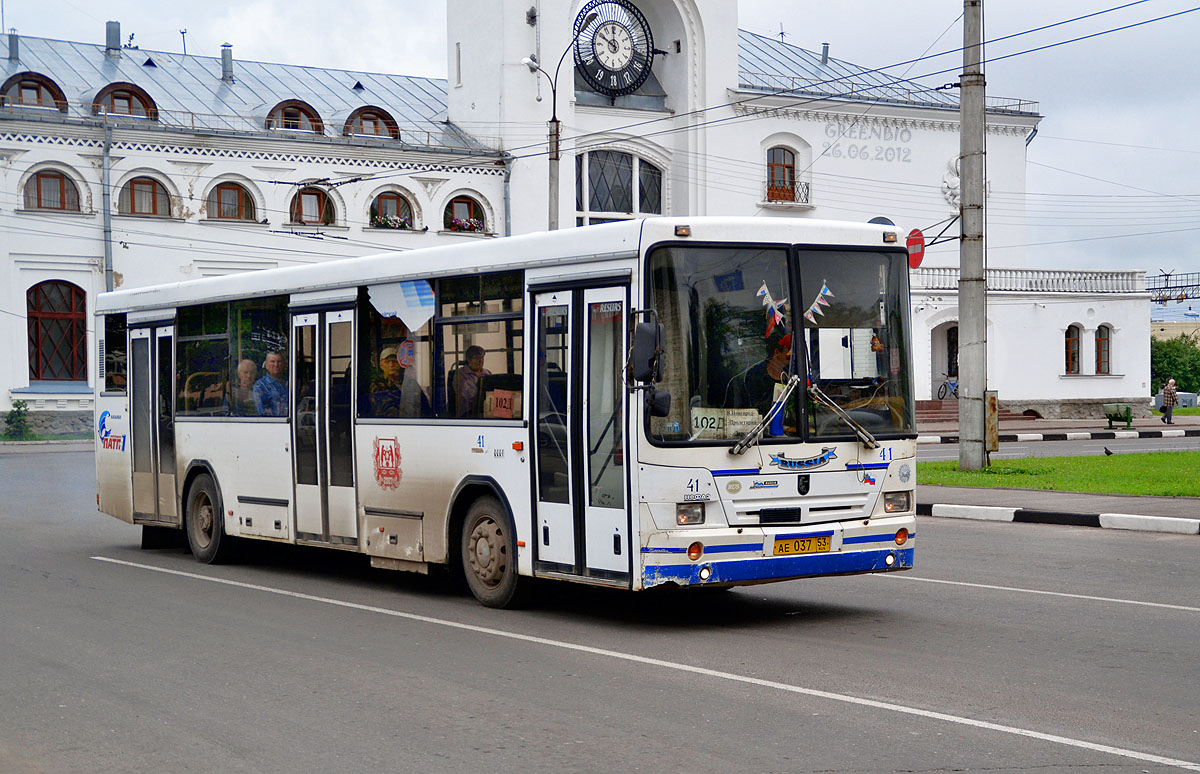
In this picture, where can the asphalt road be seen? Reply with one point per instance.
(1012, 647)
(1013, 450)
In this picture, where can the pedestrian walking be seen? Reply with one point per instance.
(1170, 401)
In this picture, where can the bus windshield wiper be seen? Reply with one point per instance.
(863, 434)
(755, 433)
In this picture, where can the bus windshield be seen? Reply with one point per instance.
(740, 320)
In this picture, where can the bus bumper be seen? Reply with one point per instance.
(740, 561)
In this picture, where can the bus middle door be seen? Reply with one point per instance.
(583, 523)
(323, 427)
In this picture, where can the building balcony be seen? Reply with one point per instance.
(798, 195)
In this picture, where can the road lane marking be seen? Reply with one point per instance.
(646, 660)
(899, 576)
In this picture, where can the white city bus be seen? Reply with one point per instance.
(662, 402)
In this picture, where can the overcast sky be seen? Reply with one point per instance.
(1117, 153)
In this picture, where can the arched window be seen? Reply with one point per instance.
(33, 90)
(125, 99)
(781, 175)
(464, 214)
(144, 196)
(57, 332)
(1073, 336)
(1104, 349)
(312, 206)
(296, 116)
(605, 188)
(230, 201)
(391, 210)
(50, 190)
(373, 122)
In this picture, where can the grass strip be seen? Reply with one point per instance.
(1158, 474)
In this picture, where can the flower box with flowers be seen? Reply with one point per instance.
(389, 221)
(464, 224)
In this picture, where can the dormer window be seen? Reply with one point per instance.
(295, 116)
(371, 122)
(34, 91)
(124, 99)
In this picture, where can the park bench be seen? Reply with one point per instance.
(1120, 412)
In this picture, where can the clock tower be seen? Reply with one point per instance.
(613, 64)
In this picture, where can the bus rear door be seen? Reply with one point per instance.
(323, 426)
(152, 399)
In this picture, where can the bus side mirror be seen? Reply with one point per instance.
(658, 402)
(646, 360)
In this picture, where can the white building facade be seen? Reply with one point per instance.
(724, 122)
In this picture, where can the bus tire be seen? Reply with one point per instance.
(489, 553)
(205, 527)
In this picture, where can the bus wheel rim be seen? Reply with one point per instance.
(204, 518)
(486, 552)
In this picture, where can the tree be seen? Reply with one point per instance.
(1178, 359)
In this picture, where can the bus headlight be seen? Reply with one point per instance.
(897, 502)
(689, 513)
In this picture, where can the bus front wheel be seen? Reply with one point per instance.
(489, 553)
(205, 530)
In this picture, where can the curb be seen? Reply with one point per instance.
(1032, 516)
(1098, 435)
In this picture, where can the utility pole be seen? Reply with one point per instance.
(972, 282)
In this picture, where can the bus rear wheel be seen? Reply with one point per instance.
(205, 531)
(489, 553)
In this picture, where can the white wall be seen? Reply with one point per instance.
(189, 245)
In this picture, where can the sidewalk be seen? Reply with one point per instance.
(1147, 514)
(1066, 429)
(1156, 514)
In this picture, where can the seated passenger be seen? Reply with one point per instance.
(395, 392)
(270, 392)
(466, 381)
(241, 391)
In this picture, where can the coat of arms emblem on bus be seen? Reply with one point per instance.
(387, 462)
(807, 463)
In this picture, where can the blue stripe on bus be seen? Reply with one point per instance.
(709, 549)
(737, 472)
(866, 465)
(869, 539)
(875, 538)
(778, 567)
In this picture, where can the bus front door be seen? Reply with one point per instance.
(322, 427)
(152, 401)
(582, 524)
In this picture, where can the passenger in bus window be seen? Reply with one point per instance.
(270, 392)
(396, 392)
(386, 388)
(241, 391)
(466, 381)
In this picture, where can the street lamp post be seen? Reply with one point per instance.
(555, 134)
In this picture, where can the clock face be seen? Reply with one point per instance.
(613, 46)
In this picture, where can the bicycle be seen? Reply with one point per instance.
(949, 386)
